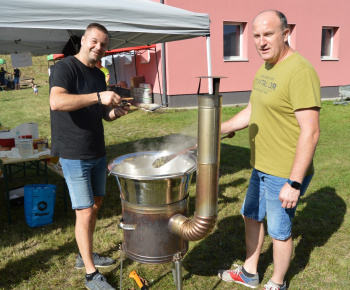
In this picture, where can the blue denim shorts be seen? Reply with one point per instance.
(262, 199)
(85, 179)
(16, 80)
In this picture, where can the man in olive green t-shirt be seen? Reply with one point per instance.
(283, 120)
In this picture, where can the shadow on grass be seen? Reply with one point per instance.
(322, 215)
(218, 250)
(41, 260)
(16, 272)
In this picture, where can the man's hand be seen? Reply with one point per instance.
(231, 135)
(110, 98)
(289, 196)
(121, 110)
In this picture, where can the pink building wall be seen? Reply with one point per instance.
(187, 59)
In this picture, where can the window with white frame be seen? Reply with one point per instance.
(327, 42)
(233, 40)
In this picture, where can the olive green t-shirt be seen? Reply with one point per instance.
(278, 91)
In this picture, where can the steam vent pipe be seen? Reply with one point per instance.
(208, 159)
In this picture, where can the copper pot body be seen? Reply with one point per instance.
(147, 238)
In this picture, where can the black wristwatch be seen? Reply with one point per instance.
(294, 184)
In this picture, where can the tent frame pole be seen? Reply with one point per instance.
(162, 53)
(165, 97)
(210, 83)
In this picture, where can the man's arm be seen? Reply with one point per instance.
(61, 100)
(237, 122)
(308, 120)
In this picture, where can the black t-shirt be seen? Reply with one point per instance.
(2, 75)
(77, 134)
(16, 71)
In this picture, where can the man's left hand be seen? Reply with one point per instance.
(121, 110)
(289, 196)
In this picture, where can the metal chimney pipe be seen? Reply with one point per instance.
(209, 122)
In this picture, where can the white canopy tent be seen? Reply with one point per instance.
(44, 27)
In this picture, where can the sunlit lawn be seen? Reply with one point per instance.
(44, 257)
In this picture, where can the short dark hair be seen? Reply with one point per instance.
(283, 19)
(97, 26)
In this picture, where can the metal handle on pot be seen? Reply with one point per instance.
(126, 227)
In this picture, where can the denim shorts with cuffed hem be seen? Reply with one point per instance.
(85, 179)
(262, 199)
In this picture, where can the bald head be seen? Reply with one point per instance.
(282, 18)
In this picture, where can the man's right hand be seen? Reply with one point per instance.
(110, 98)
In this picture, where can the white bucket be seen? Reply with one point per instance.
(25, 147)
(147, 97)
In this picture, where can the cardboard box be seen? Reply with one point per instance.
(135, 81)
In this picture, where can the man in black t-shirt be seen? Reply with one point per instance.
(79, 100)
(2, 77)
(16, 75)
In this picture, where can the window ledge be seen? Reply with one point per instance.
(329, 58)
(235, 60)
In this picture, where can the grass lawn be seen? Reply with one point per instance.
(44, 257)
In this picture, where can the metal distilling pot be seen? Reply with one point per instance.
(150, 197)
(154, 200)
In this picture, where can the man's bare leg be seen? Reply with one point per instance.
(254, 239)
(84, 231)
(282, 255)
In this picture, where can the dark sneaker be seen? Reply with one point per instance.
(99, 261)
(237, 276)
(98, 282)
(273, 286)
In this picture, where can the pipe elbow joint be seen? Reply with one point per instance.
(191, 229)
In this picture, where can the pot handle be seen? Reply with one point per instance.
(126, 227)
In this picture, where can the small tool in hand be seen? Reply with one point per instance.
(125, 101)
(137, 279)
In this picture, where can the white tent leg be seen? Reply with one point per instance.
(210, 83)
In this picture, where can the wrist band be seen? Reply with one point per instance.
(116, 116)
(99, 98)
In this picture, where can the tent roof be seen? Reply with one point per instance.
(44, 27)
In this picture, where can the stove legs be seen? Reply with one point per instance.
(121, 266)
(176, 267)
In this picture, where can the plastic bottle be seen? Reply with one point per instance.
(16, 139)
